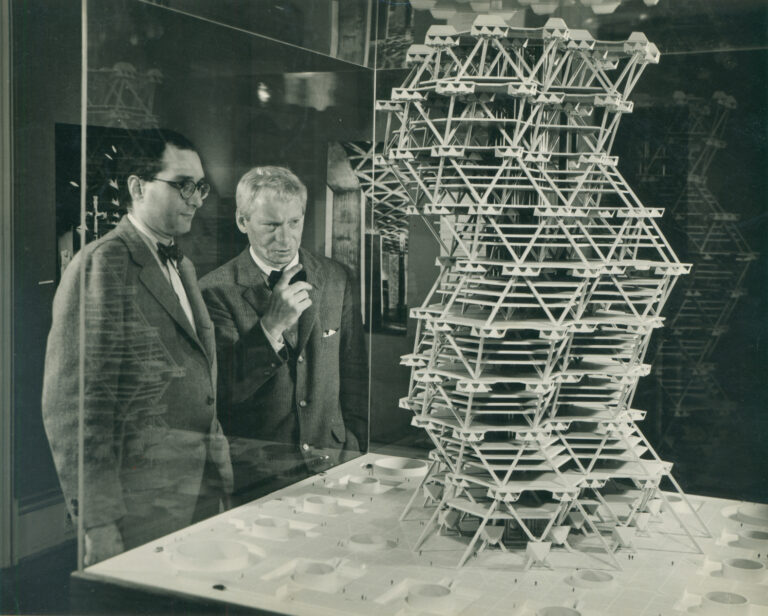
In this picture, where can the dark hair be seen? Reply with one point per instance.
(142, 155)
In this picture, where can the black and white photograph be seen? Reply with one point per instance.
(384, 307)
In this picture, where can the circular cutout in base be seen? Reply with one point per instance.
(322, 505)
(754, 513)
(431, 598)
(270, 528)
(746, 514)
(754, 539)
(317, 576)
(209, 555)
(400, 468)
(676, 503)
(589, 578)
(594, 577)
(367, 542)
(720, 602)
(364, 485)
(744, 569)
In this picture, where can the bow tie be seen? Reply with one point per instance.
(169, 251)
(275, 275)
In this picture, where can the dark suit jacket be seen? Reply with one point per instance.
(149, 414)
(314, 397)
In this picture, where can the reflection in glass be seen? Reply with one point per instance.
(155, 459)
(675, 163)
(341, 32)
(390, 203)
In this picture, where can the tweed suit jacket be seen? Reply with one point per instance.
(149, 418)
(313, 397)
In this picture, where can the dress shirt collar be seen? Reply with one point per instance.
(153, 237)
(268, 269)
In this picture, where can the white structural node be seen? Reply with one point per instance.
(530, 344)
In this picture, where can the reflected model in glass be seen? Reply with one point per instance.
(292, 363)
(697, 406)
(676, 167)
(391, 205)
(154, 456)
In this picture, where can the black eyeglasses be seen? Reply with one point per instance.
(187, 188)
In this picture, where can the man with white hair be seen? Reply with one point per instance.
(292, 364)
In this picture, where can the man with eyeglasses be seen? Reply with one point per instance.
(154, 459)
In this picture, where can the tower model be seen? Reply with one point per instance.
(530, 343)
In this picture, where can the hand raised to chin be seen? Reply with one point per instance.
(287, 302)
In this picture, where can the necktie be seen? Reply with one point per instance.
(290, 335)
(169, 251)
(274, 277)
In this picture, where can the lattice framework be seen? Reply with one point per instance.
(531, 341)
(384, 191)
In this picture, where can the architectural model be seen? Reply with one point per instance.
(530, 344)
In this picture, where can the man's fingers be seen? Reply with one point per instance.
(300, 300)
(288, 301)
(300, 286)
(293, 292)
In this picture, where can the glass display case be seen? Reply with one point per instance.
(176, 98)
(532, 250)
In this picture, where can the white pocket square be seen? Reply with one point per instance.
(329, 332)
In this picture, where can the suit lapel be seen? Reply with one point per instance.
(248, 276)
(203, 322)
(316, 278)
(258, 297)
(152, 278)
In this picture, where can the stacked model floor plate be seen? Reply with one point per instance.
(552, 279)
